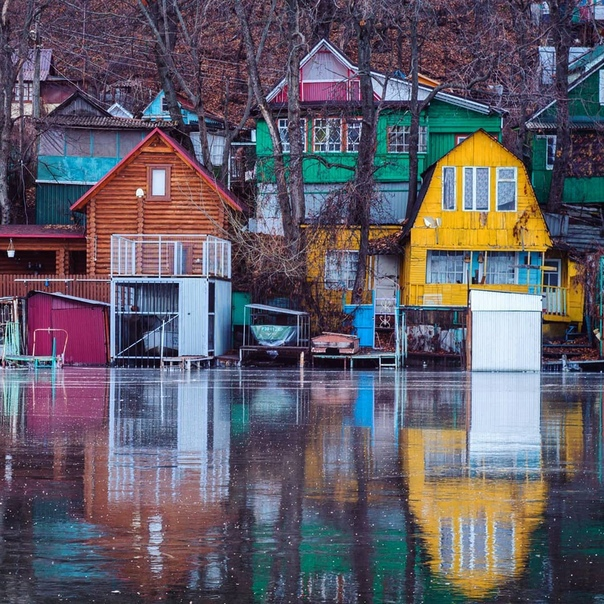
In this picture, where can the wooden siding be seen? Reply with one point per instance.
(20, 285)
(444, 124)
(194, 207)
(523, 230)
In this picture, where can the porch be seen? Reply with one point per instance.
(555, 299)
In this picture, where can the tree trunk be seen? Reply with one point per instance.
(415, 109)
(561, 15)
(296, 176)
(291, 228)
(13, 49)
(363, 191)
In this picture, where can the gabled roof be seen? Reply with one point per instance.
(579, 71)
(204, 175)
(427, 175)
(211, 119)
(392, 89)
(74, 103)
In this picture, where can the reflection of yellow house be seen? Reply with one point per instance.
(477, 493)
(476, 530)
(477, 224)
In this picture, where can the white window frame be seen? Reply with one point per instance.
(550, 151)
(327, 135)
(601, 86)
(282, 127)
(356, 124)
(498, 272)
(340, 269)
(446, 266)
(470, 193)
(397, 139)
(502, 182)
(449, 188)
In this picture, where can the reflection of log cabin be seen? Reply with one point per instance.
(478, 496)
(160, 519)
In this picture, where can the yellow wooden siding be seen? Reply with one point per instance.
(472, 231)
(320, 241)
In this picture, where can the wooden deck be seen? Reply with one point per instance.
(185, 362)
(376, 358)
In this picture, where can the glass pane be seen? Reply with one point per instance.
(468, 189)
(78, 143)
(105, 144)
(158, 182)
(482, 188)
(448, 188)
(52, 142)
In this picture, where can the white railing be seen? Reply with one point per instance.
(554, 300)
(170, 255)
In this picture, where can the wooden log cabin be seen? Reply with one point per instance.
(158, 189)
(155, 244)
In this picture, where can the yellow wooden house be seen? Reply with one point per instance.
(477, 224)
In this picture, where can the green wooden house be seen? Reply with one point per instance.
(330, 102)
(584, 183)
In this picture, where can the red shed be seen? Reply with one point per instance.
(79, 325)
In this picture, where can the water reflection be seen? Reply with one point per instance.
(287, 486)
(476, 485)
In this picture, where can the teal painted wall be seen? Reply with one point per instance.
(59, 167)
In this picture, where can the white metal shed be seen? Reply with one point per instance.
(505, 331)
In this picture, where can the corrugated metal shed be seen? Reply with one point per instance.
(85, 323)
(505, 331)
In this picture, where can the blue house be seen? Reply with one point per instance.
(157, 111)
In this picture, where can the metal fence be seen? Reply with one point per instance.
(170, 255)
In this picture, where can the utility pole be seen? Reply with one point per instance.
(35, 91)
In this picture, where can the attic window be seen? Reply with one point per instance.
(158, 183)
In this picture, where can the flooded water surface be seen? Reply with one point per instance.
(253, 486)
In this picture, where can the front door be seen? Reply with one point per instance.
(385, 282)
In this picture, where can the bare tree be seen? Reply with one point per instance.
(16, 21)
(561, 15)
(179, 29)
(364, 184)
(288, 175)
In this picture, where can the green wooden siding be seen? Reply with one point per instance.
(444, 123)
(53, 202)
(584, 107)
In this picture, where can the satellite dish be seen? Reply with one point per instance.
(430, 222)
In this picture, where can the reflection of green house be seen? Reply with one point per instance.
(584, 182)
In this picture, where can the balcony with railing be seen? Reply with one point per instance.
(555, 300)
(170, 256)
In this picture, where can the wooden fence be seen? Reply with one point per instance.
(21, 285)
